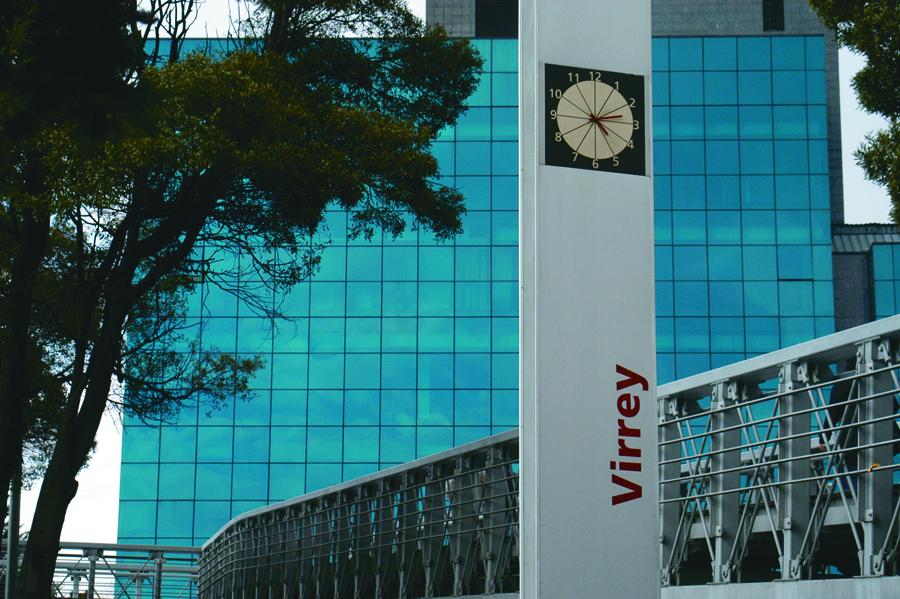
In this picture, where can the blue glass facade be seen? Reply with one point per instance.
(886, 279)
(399, 348)
(743, 233)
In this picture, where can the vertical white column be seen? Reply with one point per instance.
(589, 517)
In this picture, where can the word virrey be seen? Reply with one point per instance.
(628, 405)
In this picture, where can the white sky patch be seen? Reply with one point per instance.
(93, 514)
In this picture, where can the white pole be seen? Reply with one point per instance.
(589, 515)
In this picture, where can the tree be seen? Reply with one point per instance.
(244, 146)
(872, 28)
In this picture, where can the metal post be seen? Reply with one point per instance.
(92, 571)
(669, 541)
(139, 586)
(76, 584)
(12, 540)
(723, 501)
(794, 498)
(157, 577)
(875, 495)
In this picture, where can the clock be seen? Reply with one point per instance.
(594, 120)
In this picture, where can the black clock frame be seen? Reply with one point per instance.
(631, 160)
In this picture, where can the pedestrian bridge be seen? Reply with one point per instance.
(779, 468)
(777, 475)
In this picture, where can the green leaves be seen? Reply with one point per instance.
(872, 28)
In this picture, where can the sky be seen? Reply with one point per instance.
(93, 514)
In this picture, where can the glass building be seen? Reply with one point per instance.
(398, 348)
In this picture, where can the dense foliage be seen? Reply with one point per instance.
(119, 164)
(872, 28)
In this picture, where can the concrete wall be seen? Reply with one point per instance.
(852, 301)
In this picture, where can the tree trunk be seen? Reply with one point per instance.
(73, 445)
(32, 245)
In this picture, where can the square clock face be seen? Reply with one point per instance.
(594, 120)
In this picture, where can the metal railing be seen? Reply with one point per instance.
(779, 467)
(440, 526)
(112, 571)
(782, 466)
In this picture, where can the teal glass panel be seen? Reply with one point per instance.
(686, 88)
(504, 334)
(436, 263)
(760, 263)
(251, 444)
(286, 481)
(473, 299)
(477, 192)
(398, 407)
(723, 192)
(720, 53)
(398, 444)
(176, 481)
(289, 371)
(435, 371)
(504, 124)
(209, 516)
(504, 371)
(504, 192)
(435, 299)
(725, 263)
(789, 88)
(363, 371)
(721, 122)
(398, 371)
(690, 263)
(788, 52)
(789, 121)
(325, 407)
(178, 444)
(361, 444)
(214, 481)
(660, 52)
(663, 263)
(137, 519)
(687, 122)
(720, 87)
(400, 263)
(214, 444)
(795, 262)
(692, 334)
(726, 299)
(504, 55)
(472, 407)
(758, 298)
(435, 407)
(754, 53)
(504, 407)
(138, 481)
(688, 192)
(665, 334)
(250, 481)
(755, 87)
(727, 334)
(175, 519)
(724, 227)
(364, 263)
(363, 335)
(399, 299)
(325, 444)
(435, 335)
(691, 299)
(326, 371)
(140, 444)
(362, 407)
(473, 264)
(473, 334)
(505, 89)
(433, 440)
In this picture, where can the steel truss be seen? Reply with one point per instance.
(782, 466)
(441, 526)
